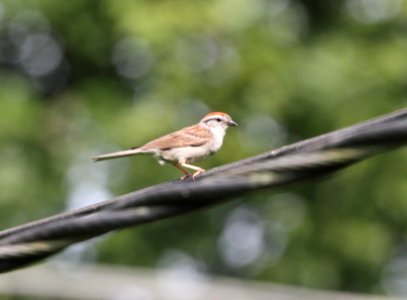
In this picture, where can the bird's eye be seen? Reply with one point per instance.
(218, 119)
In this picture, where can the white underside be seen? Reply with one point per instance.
(184, 154)
(192, 154)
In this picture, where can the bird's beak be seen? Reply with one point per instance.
(231, 123)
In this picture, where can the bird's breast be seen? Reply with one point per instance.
(217, 140)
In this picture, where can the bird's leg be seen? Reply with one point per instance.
(187, 174)
(197, 170)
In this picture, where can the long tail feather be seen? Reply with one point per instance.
(117, 154)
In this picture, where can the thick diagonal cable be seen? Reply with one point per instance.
(298, 162)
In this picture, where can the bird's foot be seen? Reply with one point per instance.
(200, 171)
(186, 176)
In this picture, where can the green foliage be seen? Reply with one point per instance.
(124, 72)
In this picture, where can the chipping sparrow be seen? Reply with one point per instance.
(186, 145)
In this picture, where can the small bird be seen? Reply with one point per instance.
(184, 146)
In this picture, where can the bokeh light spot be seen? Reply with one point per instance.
(132, 58)
(242, 239)
(371, 11)
(40, 54)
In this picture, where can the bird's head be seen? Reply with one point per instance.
(218, 120)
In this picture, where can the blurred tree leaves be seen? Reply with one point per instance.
(85, 77)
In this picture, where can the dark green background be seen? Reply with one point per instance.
(80, 77)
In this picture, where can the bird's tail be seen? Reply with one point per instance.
(118, 154)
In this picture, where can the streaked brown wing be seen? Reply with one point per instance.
(193, 136)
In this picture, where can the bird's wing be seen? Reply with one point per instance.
(192, 136)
